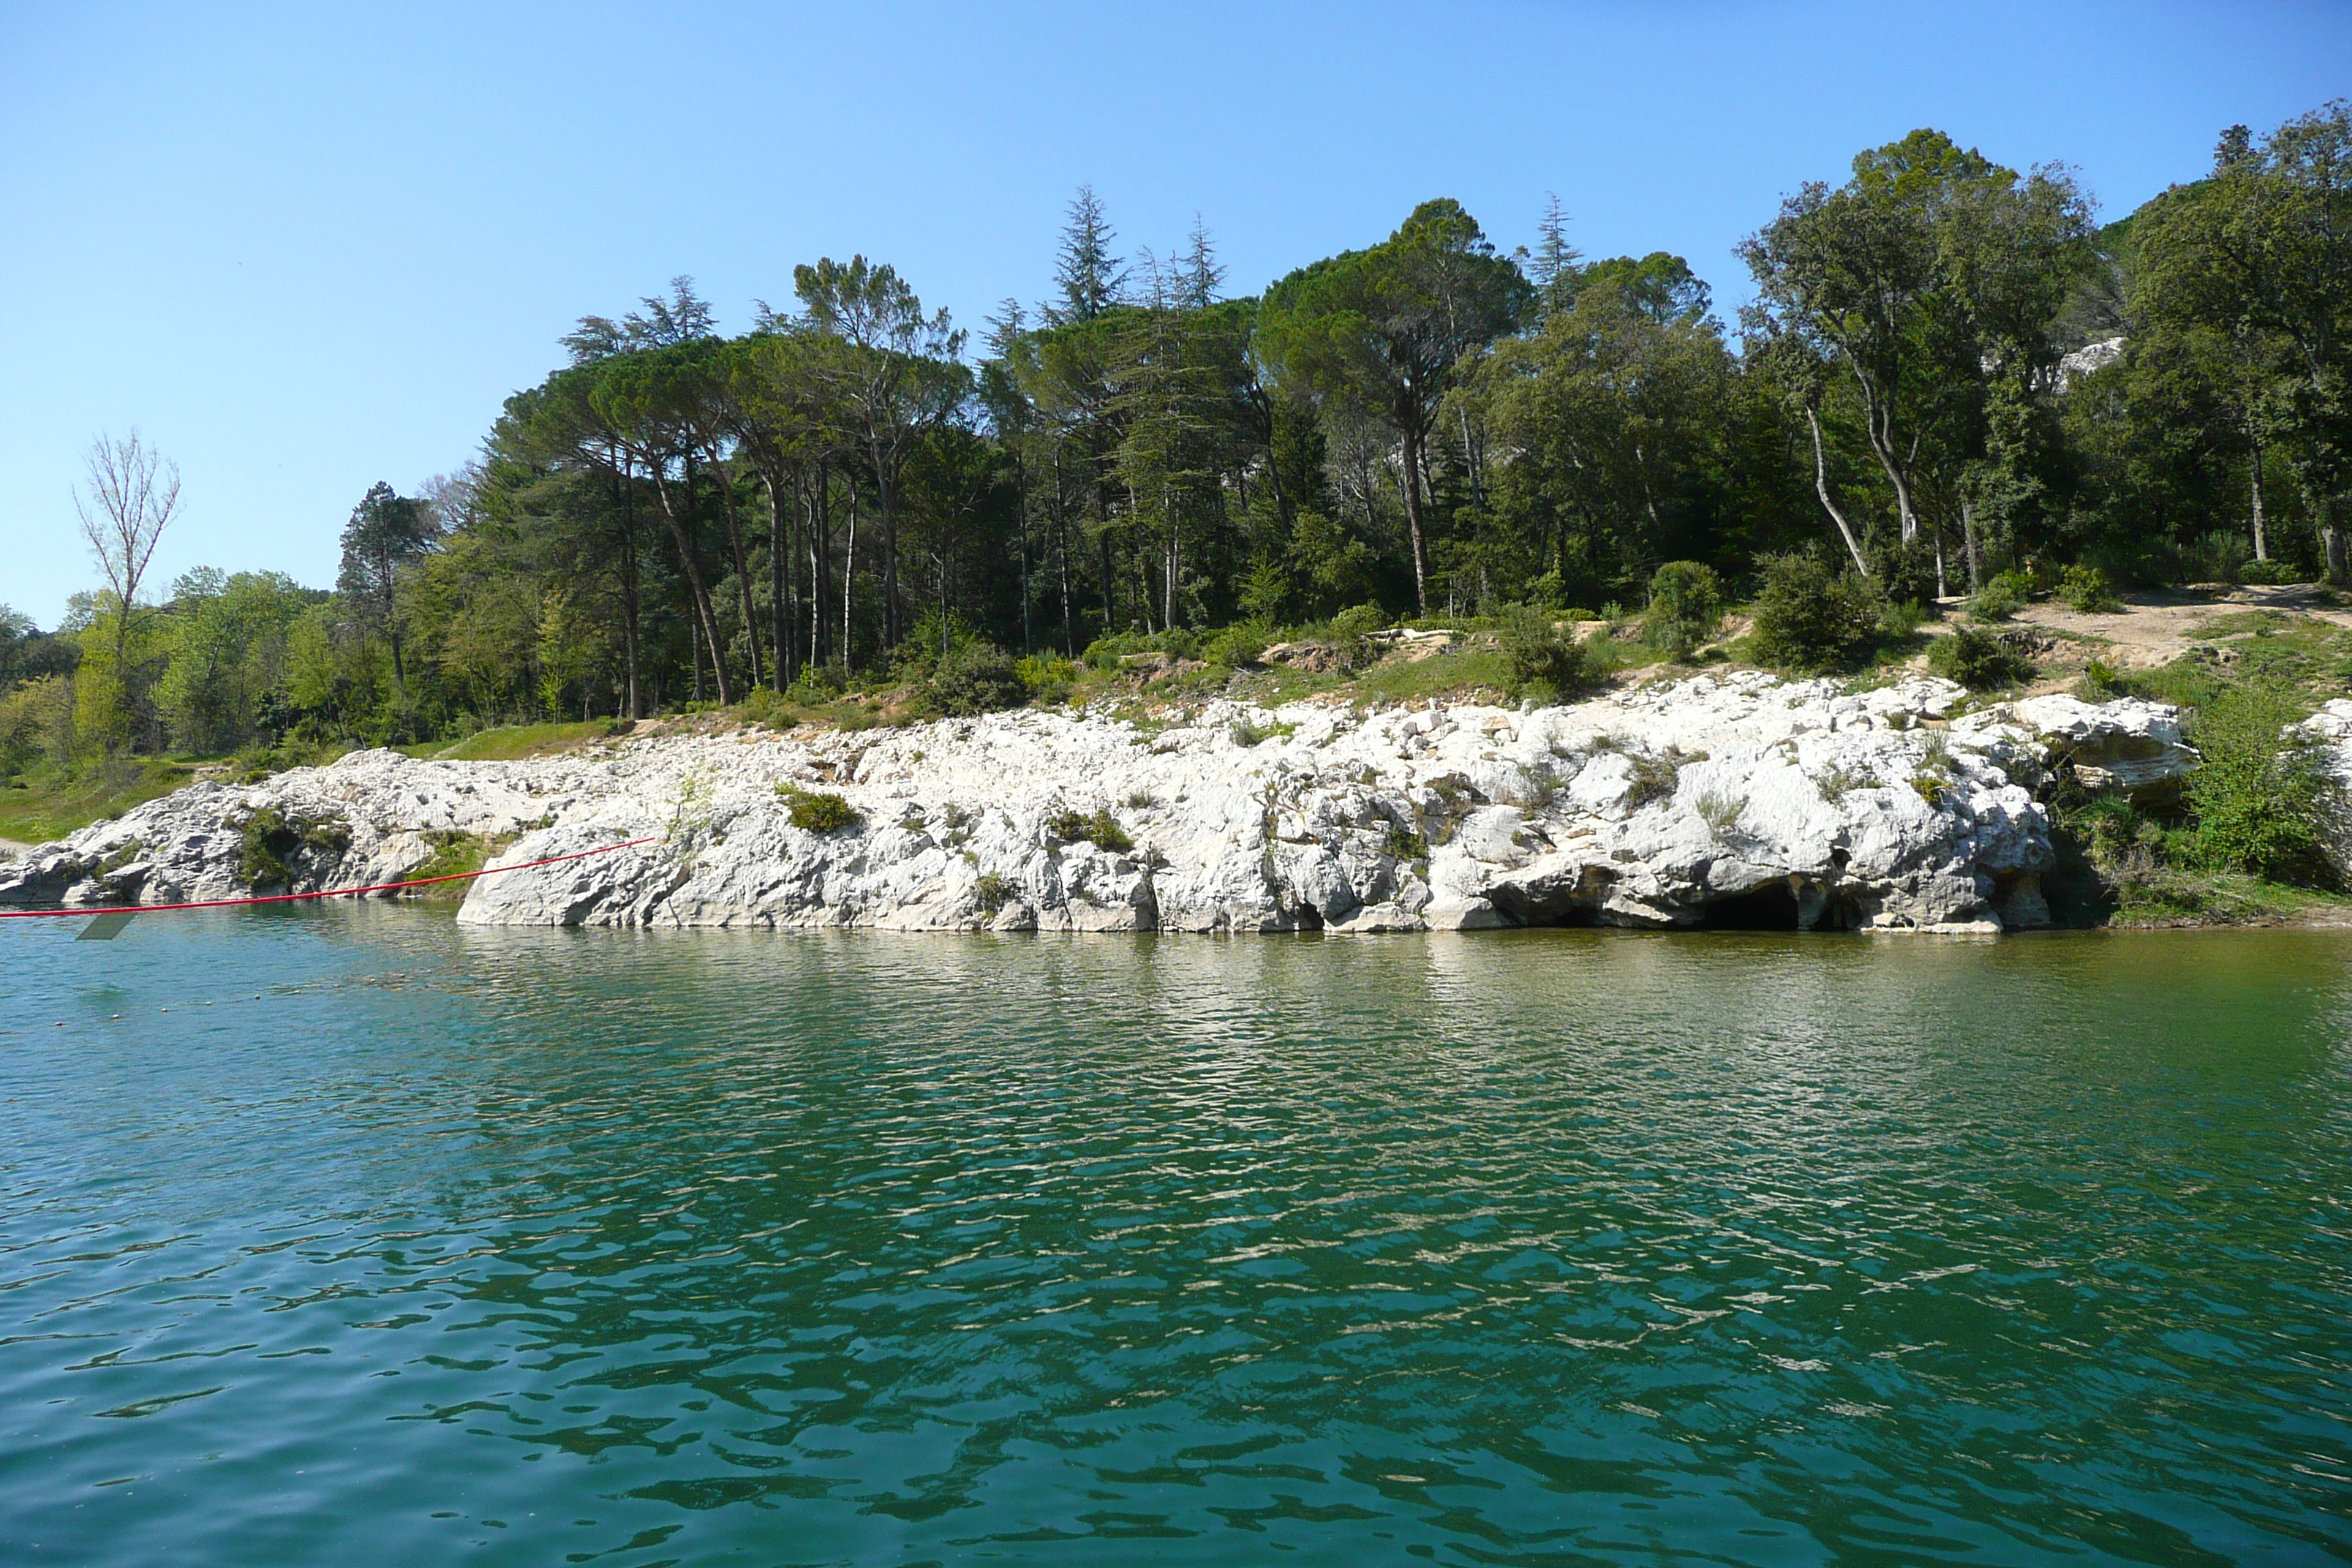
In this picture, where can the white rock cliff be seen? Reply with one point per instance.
(1735, 799)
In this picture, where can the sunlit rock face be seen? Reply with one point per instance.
(1736, 800)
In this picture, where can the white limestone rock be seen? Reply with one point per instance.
(1739, 796)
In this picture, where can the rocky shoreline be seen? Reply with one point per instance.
(1739, 799)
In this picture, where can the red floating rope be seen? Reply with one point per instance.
(324, 893)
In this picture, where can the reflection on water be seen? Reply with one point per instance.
(391, 1241)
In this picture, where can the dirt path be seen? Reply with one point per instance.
(2156, 628)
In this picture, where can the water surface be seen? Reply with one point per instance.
(353, 1237)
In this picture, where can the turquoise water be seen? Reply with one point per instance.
(391, 1242)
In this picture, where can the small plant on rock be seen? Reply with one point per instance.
(1101, 829)
(816, 811)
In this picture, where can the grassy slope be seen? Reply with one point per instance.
(53, 803)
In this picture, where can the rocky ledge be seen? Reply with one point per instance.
(1740, 799)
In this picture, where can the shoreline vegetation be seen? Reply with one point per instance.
(1961, 429)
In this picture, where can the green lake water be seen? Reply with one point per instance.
(350, 1237)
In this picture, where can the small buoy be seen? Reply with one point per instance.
(61, 1023)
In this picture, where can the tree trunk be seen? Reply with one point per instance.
(1879, 426)
(1821, 489)
(743, 566)
(2261, 546)
(848, 578)
(2331, 538)
(1969, 544)
(778, 553)
(700, 594)
(886, 501)
(1412, 517)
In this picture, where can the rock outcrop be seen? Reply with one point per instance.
(1739, 799)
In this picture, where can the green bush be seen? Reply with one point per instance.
(2271, 573)
(1238, 643)
(1358, 622)
(2002, 597)
(994, 891)
(2086, 591)
(1046, 679)
(815, 811)
(271, 840)
(1545, 663)
(977, 677)
(1905, 573)
(1685, 605)
(1101, 829)
(2263, 797)
(1978, 659)
(1811, 617)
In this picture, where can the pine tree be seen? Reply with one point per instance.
(1089, 276)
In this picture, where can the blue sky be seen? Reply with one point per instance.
(304, 248)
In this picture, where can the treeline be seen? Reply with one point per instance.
(1948, 372)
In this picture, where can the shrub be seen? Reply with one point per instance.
(2100, 682)
(2272, 572)
(1811, 617)
(1046, 679)
(2086, 591)
(271, 840)
(977, 677)
(816, 811)
(1101, 829)
(1544, 663)
(1358, 622)
(2264, 800)
(1404, 844)
(1905, 573)
(2001, 597)
(1652, 777)
(995, 892)
(1978, 659)
(1238, 643)
(1685, 604)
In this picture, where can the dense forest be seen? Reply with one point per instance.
(1949, 375)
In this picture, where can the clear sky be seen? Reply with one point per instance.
(306, 247)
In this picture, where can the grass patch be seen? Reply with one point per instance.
(50, 804)
(454, 855)
(514, 742)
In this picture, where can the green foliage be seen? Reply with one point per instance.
(270, 842)
(2272, 572)
(1811, 617)
(1238, 643)
(977, 677)
(1979, 660)
(2086, 591)
(1101, 829)
(1685, 607)
(1544, 663)
(1404, 844)
(454, 855)
(994, 891)
(1246, 731)
(2263, 797)
(816, 811)
(2004, 595)
(1653, 776)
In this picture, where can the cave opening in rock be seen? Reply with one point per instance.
(1770, 906)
